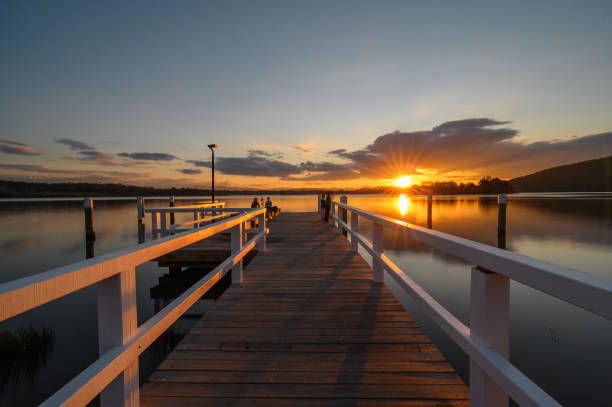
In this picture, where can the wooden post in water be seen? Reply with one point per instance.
(140, 204)
(344, 200)
(171, 204)
(501, 221)
(429, 210)
(489, 325)
(90, 233)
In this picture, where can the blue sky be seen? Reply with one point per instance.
(281, 84)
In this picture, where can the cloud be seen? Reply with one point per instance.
(16, 148)
(74, 145)
(252, 165)
(303, 148)
(477, 144)
(149, 156)
(190, 171)
(97, 157)
(262, 153)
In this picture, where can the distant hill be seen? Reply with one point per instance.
(585, 176)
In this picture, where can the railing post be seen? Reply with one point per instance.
(332, 213)
(171, 204)
(501, 221)
(319, 204)
(90, 233)
(344, 200)
(429, 210)
(117, 323)
(489, 325)
(354, 229)
(237, 241)
(378, 243)
(261, 247)
(155, 225)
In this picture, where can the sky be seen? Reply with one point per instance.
(301, 94)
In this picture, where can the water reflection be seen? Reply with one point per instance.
(403, 204)
(38, 236)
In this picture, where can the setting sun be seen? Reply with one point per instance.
(403, 182)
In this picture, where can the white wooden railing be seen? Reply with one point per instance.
(114, 375)
(202, 213)
(492, 377)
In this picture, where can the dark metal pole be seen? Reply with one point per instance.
(213, 174)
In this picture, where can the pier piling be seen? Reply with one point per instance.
(429, 210)
(90, 233)
(501, 221)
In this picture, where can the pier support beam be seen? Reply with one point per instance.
(117, 323)
(237, 242)
(489, 325)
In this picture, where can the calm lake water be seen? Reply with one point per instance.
(564, 349)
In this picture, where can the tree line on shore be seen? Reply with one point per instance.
(8, 189)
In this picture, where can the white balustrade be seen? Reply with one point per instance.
(114, 375)
(486, 341)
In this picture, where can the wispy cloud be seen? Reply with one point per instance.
(97, 157)
(17, 148)
(149, 156)
(252, 165)
(74, 145)
(304, 148)
(262, 153)
(190, 171)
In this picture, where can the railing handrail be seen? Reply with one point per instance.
(584, 290)
(115, 271)
(23, 294)
(485, 341)
(189, 208)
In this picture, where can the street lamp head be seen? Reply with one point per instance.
(211, 146)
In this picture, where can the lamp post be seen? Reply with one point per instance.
(212, 147)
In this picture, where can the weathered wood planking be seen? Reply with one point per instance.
(308, 327)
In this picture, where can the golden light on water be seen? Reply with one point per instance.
(403, 204)
(403, 182)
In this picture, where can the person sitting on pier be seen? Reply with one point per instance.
(271, 210)
(254, 204)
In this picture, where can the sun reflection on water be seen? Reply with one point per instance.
(403, 204)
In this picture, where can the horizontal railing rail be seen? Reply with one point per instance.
(160, 226)
(492, 377)
(115, 374)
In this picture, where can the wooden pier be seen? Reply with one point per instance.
(308, 327)
(308, 323)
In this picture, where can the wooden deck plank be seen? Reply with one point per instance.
(308, 327)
